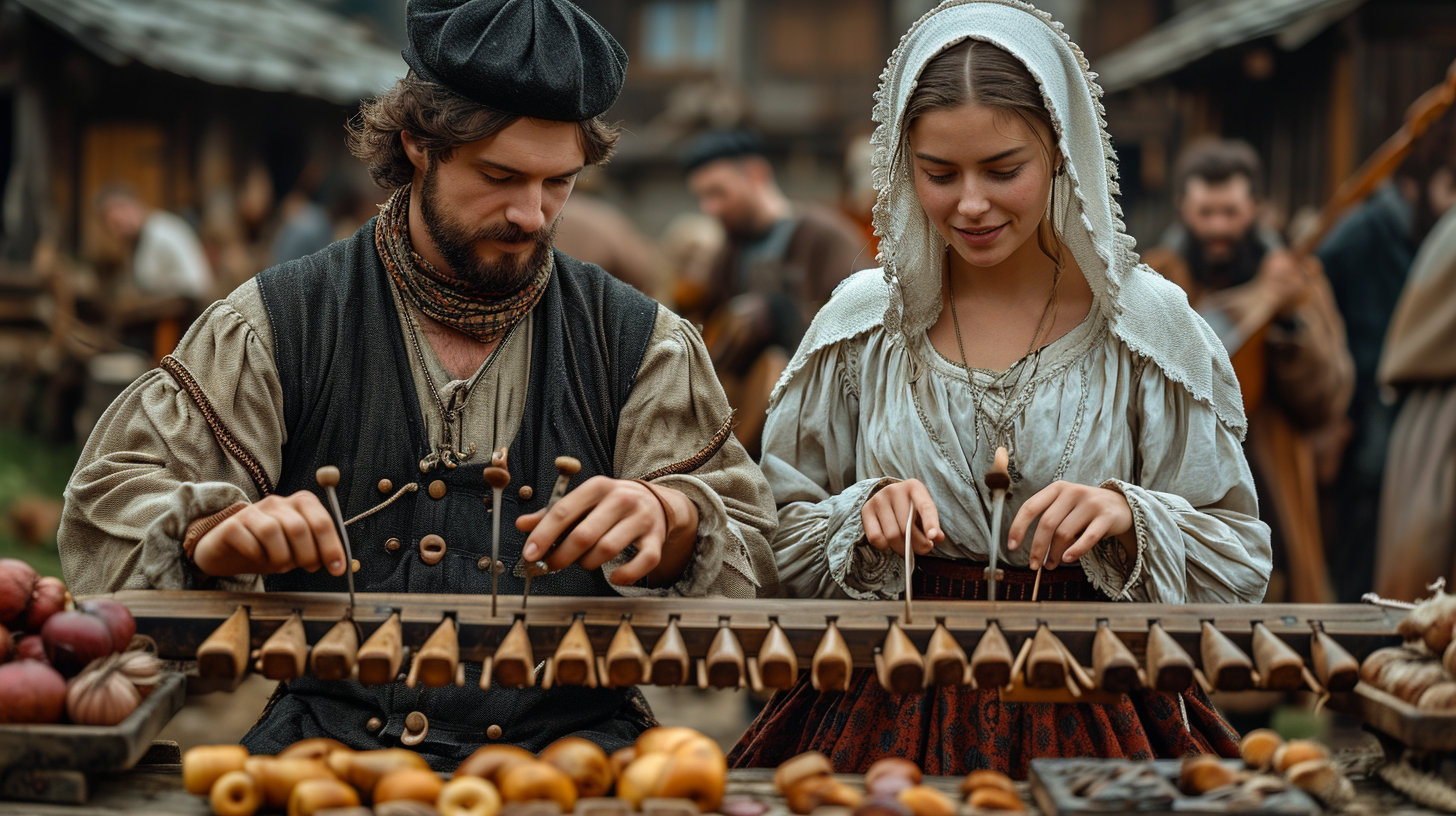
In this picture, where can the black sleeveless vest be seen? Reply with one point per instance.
(349, 400)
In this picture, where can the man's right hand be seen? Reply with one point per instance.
(1283, 280)
(277, 534)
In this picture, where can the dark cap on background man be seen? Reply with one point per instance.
(546, 59)
(721, 144)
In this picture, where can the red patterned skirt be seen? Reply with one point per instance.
(952, 730)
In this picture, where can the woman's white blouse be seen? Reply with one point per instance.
(864, 412)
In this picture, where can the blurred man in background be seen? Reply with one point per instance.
(166, 257)
(780, 263)
(1367, 258)
(166, 279)
(1416, 532)
(1277, 318)
(594, 230)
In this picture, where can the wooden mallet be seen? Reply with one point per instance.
(566, 467)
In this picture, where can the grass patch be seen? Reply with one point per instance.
(30, 467)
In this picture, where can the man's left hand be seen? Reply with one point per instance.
(611, 515)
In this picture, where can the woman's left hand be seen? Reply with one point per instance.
(1073, 518)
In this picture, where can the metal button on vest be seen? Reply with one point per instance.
(483, 563)
(526, 493)
(385, 485)
(374, 724)
(415, 728)
(493, 732)
(432, 549)
(392, 545)
(437, 489)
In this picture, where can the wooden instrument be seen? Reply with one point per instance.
(1043, 648)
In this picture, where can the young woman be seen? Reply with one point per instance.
(1011, 311)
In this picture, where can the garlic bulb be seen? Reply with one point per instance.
(107, 691)
(141, 668)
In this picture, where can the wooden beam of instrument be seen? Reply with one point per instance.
(899, 664)
(284, 655)
(437, 663)
(627, 662)
(1280, 667)
(574, 663)
(1170, 667)
(382, 654)
(1114, 668)
(832, 662)
(778, 666)
(1335, 667)
(991, 660)
(334, 656)
(223, 656)
(1046, 666)
(1224, 664)
(670, 660)
(180, 621)
(725, 665)
(945, 660)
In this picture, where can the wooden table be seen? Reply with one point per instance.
(158, 790)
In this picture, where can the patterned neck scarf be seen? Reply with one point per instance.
(441, 297)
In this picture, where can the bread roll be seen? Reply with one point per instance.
(803, 766)
(1258, 747)
(1205, 772)
(1409, 681)
(584, 761)
(1296, 751)
(1373, 669)
(1439, 697)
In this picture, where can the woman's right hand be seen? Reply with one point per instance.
(885, 514)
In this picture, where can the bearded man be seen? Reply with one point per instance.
(1296, 374)
(444, 329)
(781, 261)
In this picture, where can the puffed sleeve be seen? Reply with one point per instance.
(153, 465)
(672, 430)
(809, 460)
(1195, 515)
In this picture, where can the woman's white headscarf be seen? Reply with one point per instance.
(1148, 313)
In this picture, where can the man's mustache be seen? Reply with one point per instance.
(509, 233)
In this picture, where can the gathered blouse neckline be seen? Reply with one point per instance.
(1054, 356)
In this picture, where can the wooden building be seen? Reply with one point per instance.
(1314, 85)
(172, 96)
(207, 108)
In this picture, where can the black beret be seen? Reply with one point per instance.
(545, 59)
(721, 144)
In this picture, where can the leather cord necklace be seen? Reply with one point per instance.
(445, 452)
(999, 428)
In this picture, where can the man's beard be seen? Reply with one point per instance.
(457, 242)
(1239, 267)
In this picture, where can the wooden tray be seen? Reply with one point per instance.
(93, 748)
(1423, 730)
(1050, 779)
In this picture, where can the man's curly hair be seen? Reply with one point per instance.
(442, 121)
